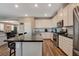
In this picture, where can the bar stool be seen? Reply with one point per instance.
(11, 45)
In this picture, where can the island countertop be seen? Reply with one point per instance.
(23, 40)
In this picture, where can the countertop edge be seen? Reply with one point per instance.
(66, 36)
(23, 40)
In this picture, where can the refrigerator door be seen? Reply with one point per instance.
(76, 28)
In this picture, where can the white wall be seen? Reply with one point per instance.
(27, 25)
(43, 23)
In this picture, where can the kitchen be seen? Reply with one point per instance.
(58, 29)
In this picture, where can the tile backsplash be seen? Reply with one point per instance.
(70, 30)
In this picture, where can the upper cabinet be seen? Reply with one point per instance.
(32, 22)
(60, 15)
(65, 16)
(54, 21)
(68, 15)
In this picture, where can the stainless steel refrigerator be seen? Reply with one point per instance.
(76, 31)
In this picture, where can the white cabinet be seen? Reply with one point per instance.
(34, 49)
(28, 48)
(66, 44)
(60, 41)
(47, 35)
(43, 23)
(33, 23)
(54, 21)
(65, 16)
(60, 15)
(68, 15)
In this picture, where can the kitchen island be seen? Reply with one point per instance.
(28, 46)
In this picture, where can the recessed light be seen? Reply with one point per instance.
(36, 5)
(16, 6)
(49, 5)
(45, 14)
(26, 15)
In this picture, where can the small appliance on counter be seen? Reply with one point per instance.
(46, 30)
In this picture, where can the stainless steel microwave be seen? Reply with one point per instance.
(60, 23)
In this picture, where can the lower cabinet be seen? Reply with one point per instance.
(47, 35)
(66, 44)
(28, 48)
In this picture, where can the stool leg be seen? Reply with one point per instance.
(14, 52)
(10, 52)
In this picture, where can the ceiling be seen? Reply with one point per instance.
(8, 10)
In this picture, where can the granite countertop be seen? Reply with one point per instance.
(66, 36)
(24, 39)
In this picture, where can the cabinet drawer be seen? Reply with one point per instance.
(69, 50)
(69, 42)
(66, 44)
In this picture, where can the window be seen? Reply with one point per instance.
(12, 27)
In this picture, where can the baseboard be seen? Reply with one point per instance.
(60, 48)
(47, 39)
(62, 51)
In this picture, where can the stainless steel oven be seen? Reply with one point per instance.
(56, 39)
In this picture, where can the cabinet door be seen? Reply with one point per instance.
(31, 48)
(54, 21)
(70, 15)
(33, 23)
(60, 15)
(65, 16)
(68, 46)
(60, 42)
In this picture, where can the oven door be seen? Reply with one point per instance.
(56, 39)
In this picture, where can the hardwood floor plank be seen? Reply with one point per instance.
(52, 49)
(4, 50)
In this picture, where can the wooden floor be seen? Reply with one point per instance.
(49, 49)
(4, 50)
